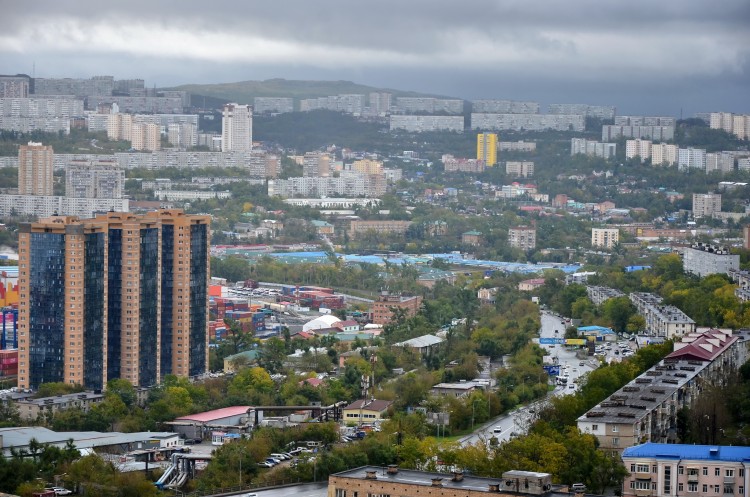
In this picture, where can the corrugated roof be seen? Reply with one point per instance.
(420, 342)
(694, 452)
(369, 405)
(208, 416)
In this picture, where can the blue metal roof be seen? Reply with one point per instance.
(689, 452)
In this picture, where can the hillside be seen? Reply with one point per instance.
(243, 92)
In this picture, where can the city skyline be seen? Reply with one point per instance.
(664, 58)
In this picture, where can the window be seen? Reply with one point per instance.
(742, 472)
(692, 487)
(705, 489)
(717, 471)
(615, 429)
(642, 485)
(641, 468)
(594, 427)
(340, 492)
(705, 471)
(616, 442)
(729, 473)
(741, 490)
(729, 489)
(653, 469)
(632, 468)
(667, 480)
(680, 470)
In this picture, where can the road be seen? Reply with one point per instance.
(305, 490)
(518, 420)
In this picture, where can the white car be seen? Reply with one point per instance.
(61, 491)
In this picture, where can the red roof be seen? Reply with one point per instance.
(208, 416)
(313, 382)
(704, 347)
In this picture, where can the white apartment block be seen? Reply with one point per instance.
(655, 133)
(347, 103)
(50, 107)
(454, 164)
(258, 164)
(722, 162)
(736, 124)
(182, 195)
(605, 237)
(592, 148)
(743, 164)
(393, 175)
(380, 103)
(96, 122)
(665, 321)
(528, 122)
(600, 294)
(506, 107)
(409, 105)
(644, 121)
(348, 184)
(706, 204)
(522, 237)
(419, 124)
(236, 128)
(80, 87)
(45, 206)
(519, 146)
(48, 114)
(688, 158)
(182, 135)
(140, 104)
(519, 169)
(515, 190)
(99, 178)
(702, 259)
(597, 111)
(638, 148)
(273, 105)
(666, 470)
(663, 154)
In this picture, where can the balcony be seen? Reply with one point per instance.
(646, 492)
(692, 478)
(729, 480)
(642, 475)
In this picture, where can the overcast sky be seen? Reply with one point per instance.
(644, 56)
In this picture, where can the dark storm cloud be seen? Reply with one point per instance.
(564, 47)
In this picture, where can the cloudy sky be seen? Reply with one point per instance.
(644, 56)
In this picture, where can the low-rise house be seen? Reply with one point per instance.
(367, 410)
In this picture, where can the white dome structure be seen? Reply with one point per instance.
(321, 322)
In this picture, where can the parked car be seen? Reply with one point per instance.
(265, 464)
(61, 491)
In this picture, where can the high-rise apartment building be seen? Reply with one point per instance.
(487, 148)
(316, 165)
(689, 158)
(145, 137)
(368, 166)
(638, 148)
(736, 124)
(35, 163)
(518, 169)
(236, 128)
(117, 296)
(591, 147)
(663, 154)
(14, 86)
(605, 237)
(705, 204)
(94, 178)
(522, 237)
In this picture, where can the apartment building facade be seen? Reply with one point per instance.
(383, 308)
(600, 294)
(236, 128)
(663, 154)
(117, 296)
(487, 148)
(273, 105)
(638, 148)
(666, 321)
(522, 237)
(605, 237)
(706, 204)
(666, 470)
(519, 169)
(645, 410)
(704, 259)
(528, 122)
(592, 148)
(35, 169)
(419, 124)
(98, 178)
(505, 107)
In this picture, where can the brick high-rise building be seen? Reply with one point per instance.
(383, 308)
(35, 163)
(117, 296)
(522, 237)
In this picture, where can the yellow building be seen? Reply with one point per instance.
(487, 148)
(365, 411)
(367, 166)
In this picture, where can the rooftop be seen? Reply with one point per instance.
(19, 437)
(369, 405)
(420, 342)
(644, 394)
(690, 452)
(702, 346)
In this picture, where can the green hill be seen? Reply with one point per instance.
(243, 92)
